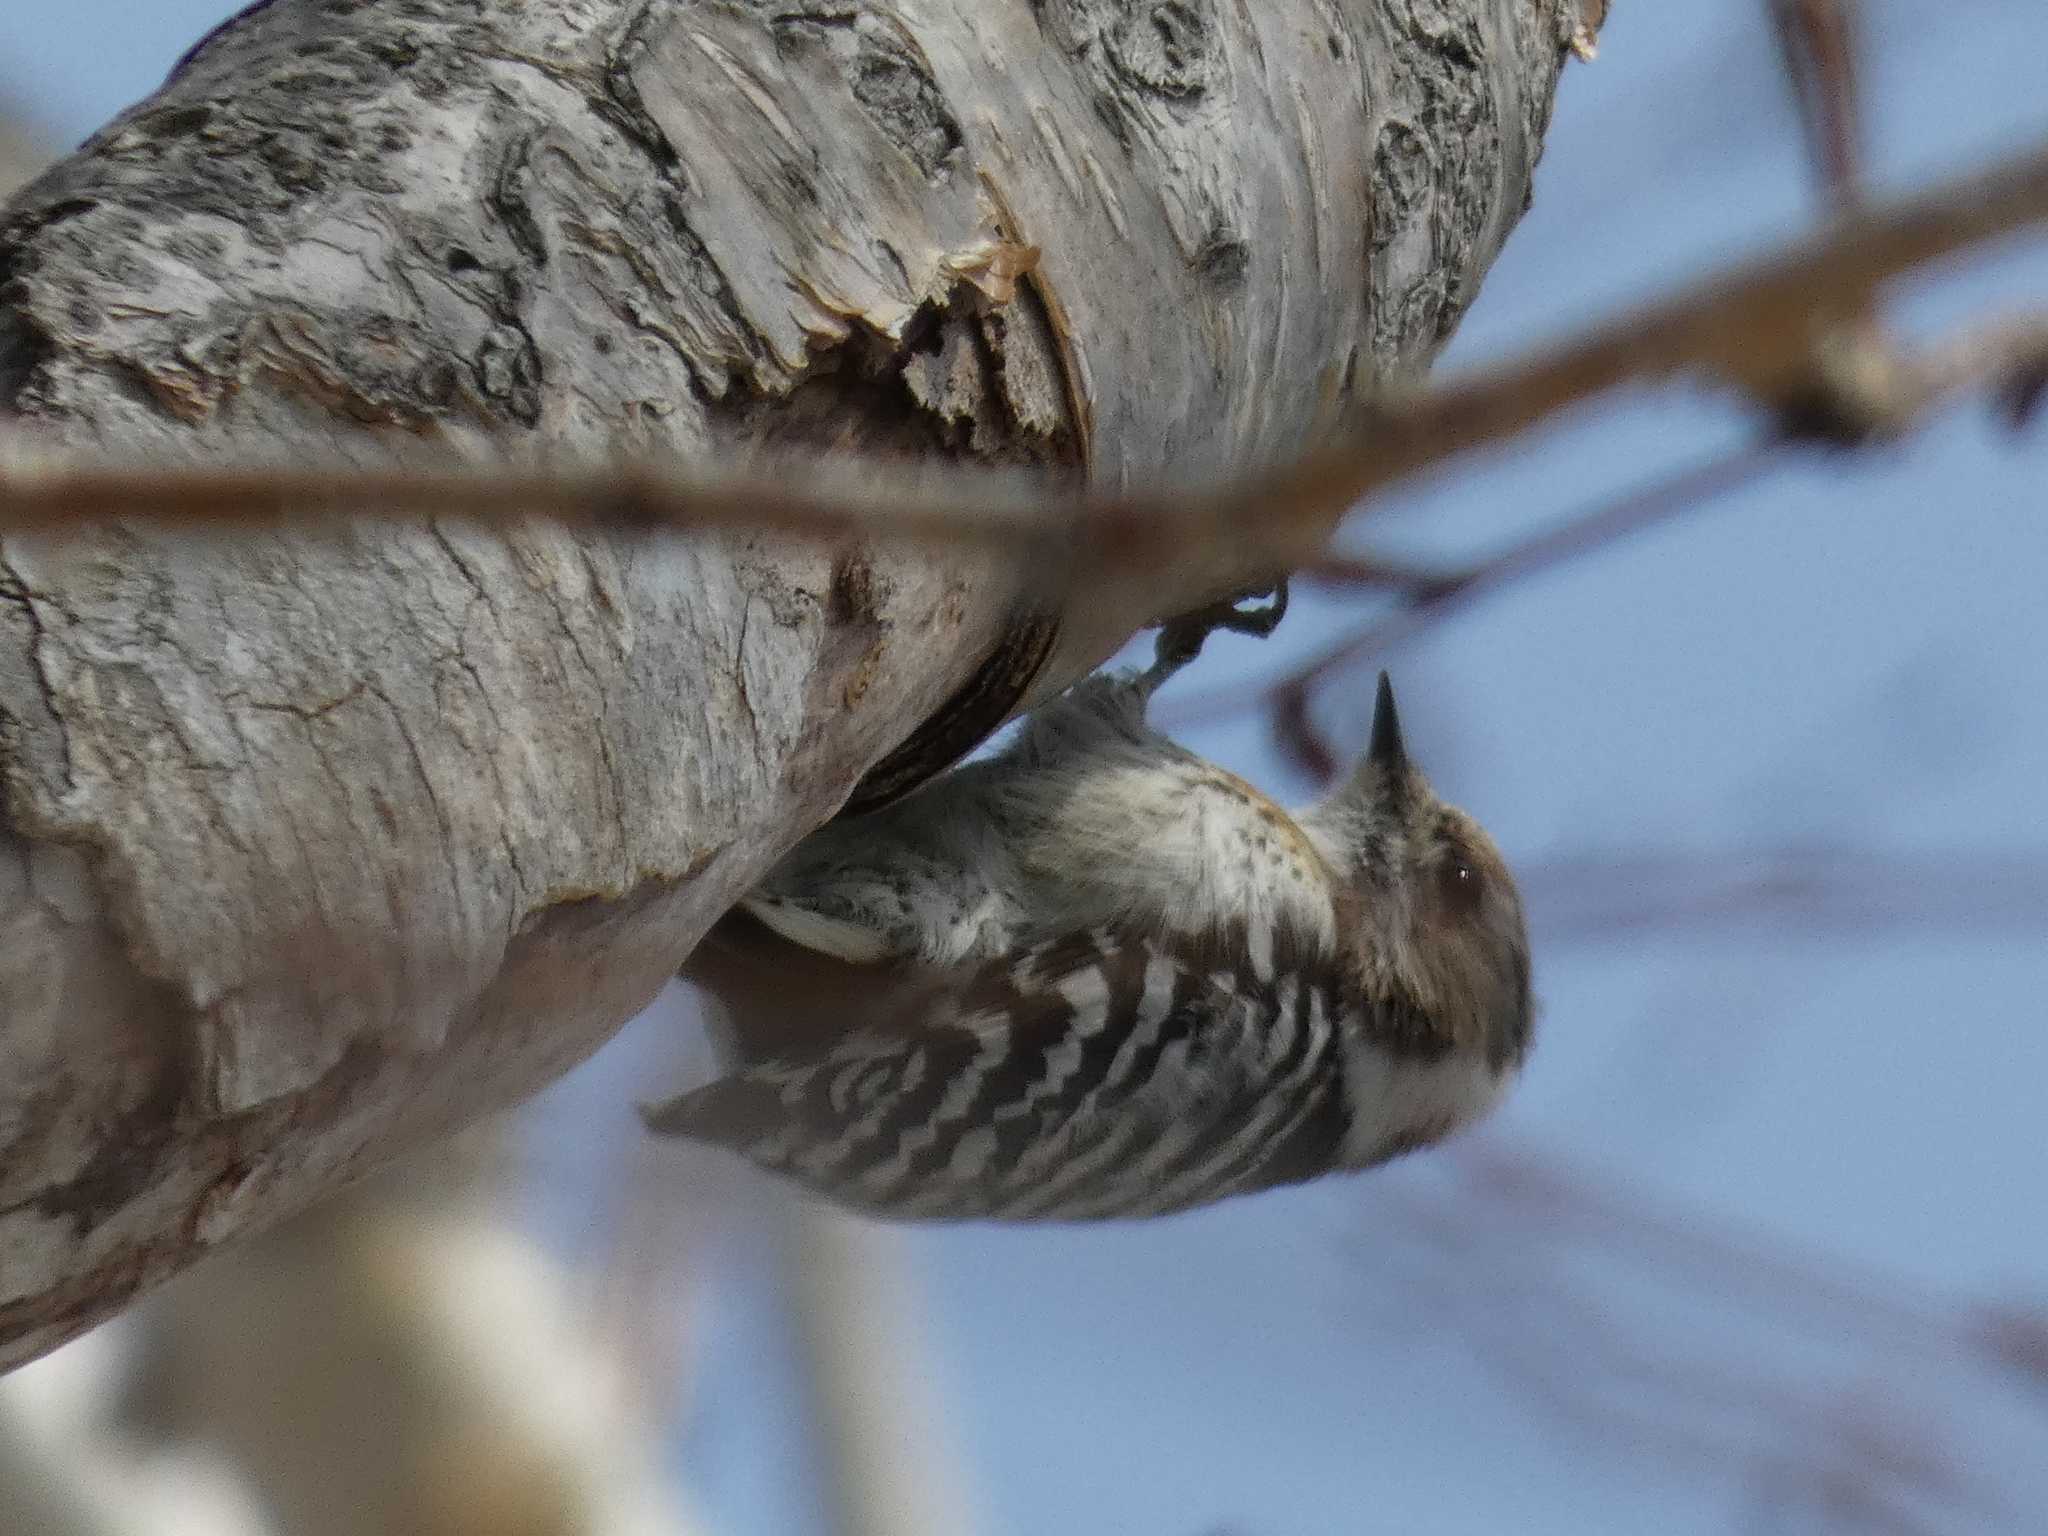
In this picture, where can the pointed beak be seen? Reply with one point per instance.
(1386, 752)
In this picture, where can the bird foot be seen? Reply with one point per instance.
(1180, 639)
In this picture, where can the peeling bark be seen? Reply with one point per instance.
(315, 846)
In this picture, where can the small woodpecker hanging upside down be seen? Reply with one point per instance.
(1094, 976)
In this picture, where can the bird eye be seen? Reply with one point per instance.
(1459, 884)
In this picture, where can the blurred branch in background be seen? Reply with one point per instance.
(1819, 42)
(1844, 1401)
(1817, 891)
(69, 1468)
(1784, 332)
(895, 1466)
(402, 1359)
(1424, 598)
(2008, 361)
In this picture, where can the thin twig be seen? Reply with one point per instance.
(1817, 39)
(1869, 396)
(1433, 596)
(1540, 1270)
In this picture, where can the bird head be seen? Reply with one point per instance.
(1439, 926)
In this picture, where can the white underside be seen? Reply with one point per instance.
(1392, 1096)
(855, 943)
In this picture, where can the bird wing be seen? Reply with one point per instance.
(1091, 1075)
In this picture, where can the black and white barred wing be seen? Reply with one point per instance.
(1094, 1076)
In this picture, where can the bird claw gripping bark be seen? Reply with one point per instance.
(1181, 639)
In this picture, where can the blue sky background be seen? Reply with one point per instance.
(1756, 1245)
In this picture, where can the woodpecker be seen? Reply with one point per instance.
(1094, 976)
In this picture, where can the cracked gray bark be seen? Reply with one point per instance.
(317, 845)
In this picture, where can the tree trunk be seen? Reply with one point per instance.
(315, 845)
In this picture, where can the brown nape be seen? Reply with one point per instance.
(1475, 940)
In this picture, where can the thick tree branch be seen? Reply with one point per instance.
(316, 843)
